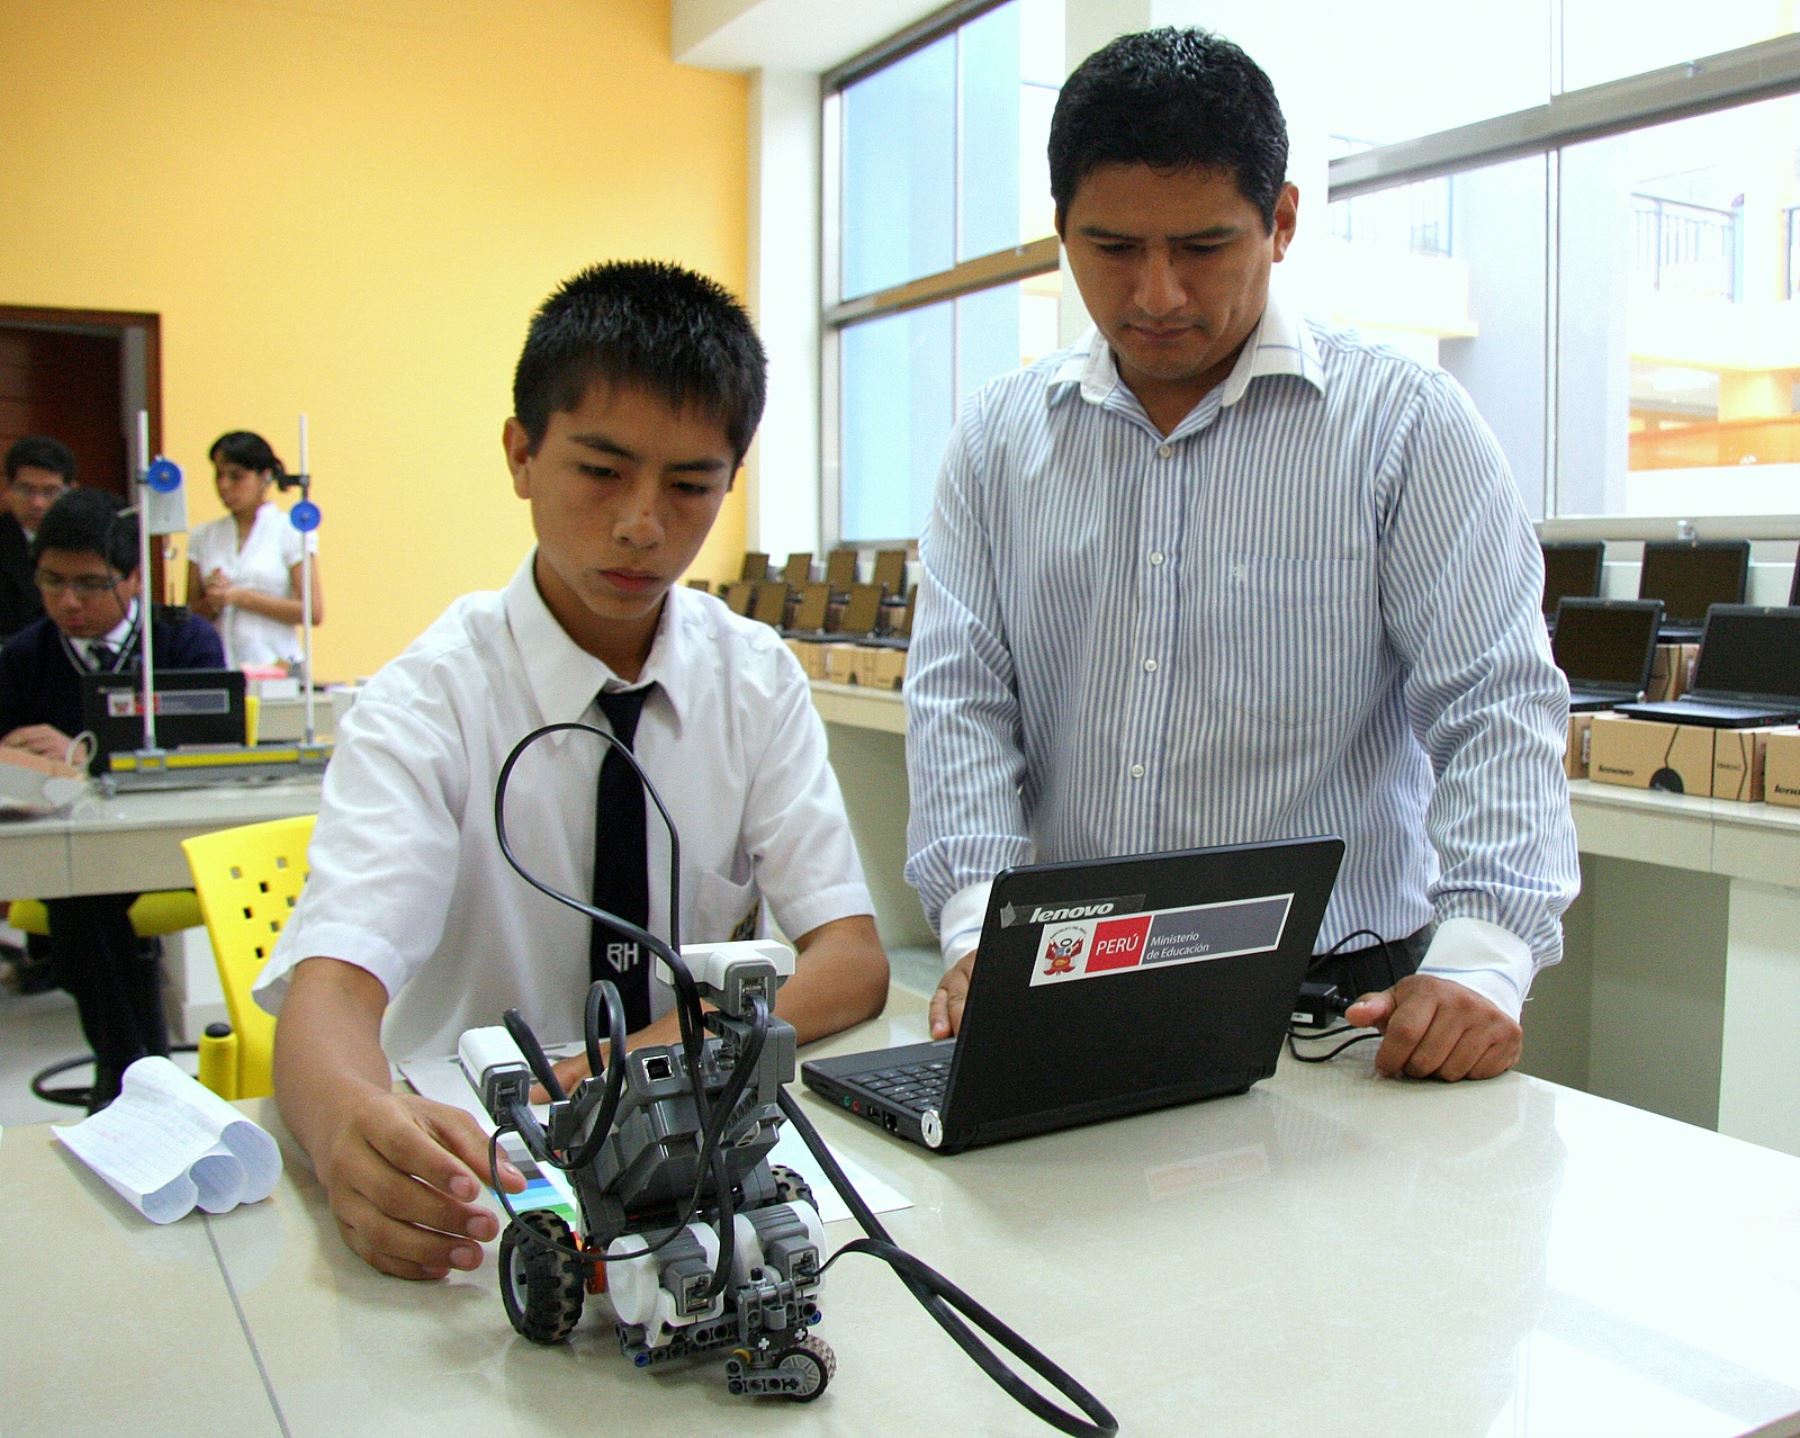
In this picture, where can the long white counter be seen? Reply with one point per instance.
(1680, 989)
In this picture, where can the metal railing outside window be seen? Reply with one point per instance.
(1678, 245)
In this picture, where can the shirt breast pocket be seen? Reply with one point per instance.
(724, 911)
(1296, 638)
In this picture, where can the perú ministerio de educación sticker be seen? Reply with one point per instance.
(1101, 947)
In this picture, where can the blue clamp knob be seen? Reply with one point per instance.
(304, 516)
(164, 476)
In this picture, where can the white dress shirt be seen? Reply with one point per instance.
(1311, 608)
(407, 877)
(265, 563)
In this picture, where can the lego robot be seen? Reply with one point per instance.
(698, 1241)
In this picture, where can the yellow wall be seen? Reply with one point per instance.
(351, 207)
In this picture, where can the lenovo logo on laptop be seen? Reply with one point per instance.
(1015, 916)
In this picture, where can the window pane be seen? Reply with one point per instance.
(904, 378)
(1483, 57)
(989, 179)
(1610, 39)
(1680, 343)
(1452, 271)
(899, 178)
(898, 399)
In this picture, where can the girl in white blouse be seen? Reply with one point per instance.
(244, 570)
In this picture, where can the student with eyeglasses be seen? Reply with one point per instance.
(38, 472)
(85, 558)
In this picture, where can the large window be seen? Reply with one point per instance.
(941, 261)
(1587, 211)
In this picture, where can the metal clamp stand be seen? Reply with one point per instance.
(305, 517)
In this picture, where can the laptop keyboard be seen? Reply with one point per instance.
(917, 1086)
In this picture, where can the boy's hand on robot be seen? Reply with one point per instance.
(405, 1175)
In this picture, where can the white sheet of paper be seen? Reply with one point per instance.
(168, 1143)
(442, 1079)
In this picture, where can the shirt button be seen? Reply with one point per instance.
(1150, 666)
(1156, 557)
(1137, 771)
(1165, 450)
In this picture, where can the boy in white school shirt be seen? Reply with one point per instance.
(637, 393)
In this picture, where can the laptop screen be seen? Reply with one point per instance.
(862, 610)
(890, 571)
(1750, 650)
(756, 567)
(770, 603)
(1602, 641)
(193, 706)
(840, 569)
(797, 570)
(1691, 578)
(1571, 570)
(814, 600)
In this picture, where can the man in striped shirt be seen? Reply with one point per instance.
(1220, 574)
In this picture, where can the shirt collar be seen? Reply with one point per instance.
(564, 677)
(1281, 343)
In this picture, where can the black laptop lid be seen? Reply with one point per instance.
(840, 569)
(890, 571)
(193, 706)
(1692, 576)
(798, 569)
(1104, 982)
(1750, 654)
(862, 609)
(1608, 643)
(1571, 571)
(815, 599)
(769, 603)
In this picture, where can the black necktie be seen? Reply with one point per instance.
(101, 656)
(621, 876)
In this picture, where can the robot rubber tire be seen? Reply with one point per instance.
(542, 1287)
(812, 1363)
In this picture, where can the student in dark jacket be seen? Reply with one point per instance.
(85, 558)
(38, 472)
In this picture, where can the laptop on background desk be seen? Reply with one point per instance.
(1606, 648)
(1690, 576)
(1104, 988)
(193, 707)
(1747, 676)
(1571, 571)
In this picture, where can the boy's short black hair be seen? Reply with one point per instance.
(90, 521)
(247, 450)
(1173, 99)
(39, 451)
(675, 333)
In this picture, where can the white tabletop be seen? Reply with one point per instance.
(1331, 1253)
(130, 842)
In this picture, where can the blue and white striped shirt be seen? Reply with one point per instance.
(1312, 608)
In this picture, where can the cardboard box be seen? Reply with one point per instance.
(1641, 754)
(840, 663)
(811, 655)
(1739, 756)
(1781, 768)
(1575, 756)
(884, 668)
(1671, 671)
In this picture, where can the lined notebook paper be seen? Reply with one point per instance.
(168, 1144)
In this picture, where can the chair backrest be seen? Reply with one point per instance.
(248, 880)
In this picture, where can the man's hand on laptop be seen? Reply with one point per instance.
(952, 993)
(1435, 1028)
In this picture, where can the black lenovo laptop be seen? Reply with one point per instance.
(193, 706)
(1105, 988)
(1571, 571)
(1607, 648)
(1748, 673)
(1690, 576)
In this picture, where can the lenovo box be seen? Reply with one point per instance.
(841, 663)
(1781, 768)
(1641, 754)
(1575, 756)
(1739, 757)
(1669, 674)
(811, 656)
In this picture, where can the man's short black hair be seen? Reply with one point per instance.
(90, 521)
(1173, 99)
(668, 330)
(39, 451)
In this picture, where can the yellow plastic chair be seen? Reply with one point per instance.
(248, 880)
(163, 911)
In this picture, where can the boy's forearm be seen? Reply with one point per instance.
(328, 1054)
(841, 979)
